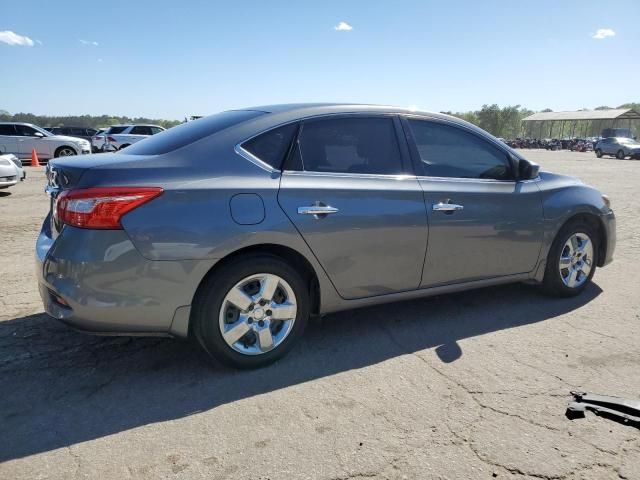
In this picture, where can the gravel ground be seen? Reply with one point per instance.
(469, 385)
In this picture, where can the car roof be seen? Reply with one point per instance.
(18, 123)
(135, 125)
(313, 108)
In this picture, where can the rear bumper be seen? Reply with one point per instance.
(96, 281)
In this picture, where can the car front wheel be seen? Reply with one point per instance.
(620, 155)
(251, 311)
(572, 260)
(65, 152)
(599, 153)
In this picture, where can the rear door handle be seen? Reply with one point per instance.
(446, 207)
(317, 210)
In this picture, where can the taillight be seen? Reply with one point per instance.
(101, 207)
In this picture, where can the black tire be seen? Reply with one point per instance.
(599, 153)
(70, 151)
(620, 155)
(552, 283)
(207, 305)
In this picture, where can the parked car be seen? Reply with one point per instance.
(98, 140)
(78, 132)
(118, 137)
(235, 228)
(619, 147)
(11, 171)
(21, 138)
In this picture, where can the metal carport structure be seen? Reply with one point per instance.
(583, 123)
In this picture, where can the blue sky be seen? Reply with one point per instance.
(170, 58)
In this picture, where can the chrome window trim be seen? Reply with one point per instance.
(253, 159)
(350, 175)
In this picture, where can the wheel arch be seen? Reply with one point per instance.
(597, 224)
(57, 150)
(287, 254)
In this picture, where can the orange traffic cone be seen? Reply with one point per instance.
(34, 158)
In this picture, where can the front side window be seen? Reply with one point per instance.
(116, 130)
(155, 130)
(26, 131)
(349, 145)
(447, 151)
(271, 147)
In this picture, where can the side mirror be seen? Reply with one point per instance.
(527, 170)
(38, 135)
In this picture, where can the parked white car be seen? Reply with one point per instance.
(21, 138)
(11, 171)
(121, 136)
(98, 140)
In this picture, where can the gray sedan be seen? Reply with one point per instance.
(234, 229)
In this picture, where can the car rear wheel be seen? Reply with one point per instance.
(599, 153)
(64, 152)
(251, 312)
(572, 260)
(620, 155)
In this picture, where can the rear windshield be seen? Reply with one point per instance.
(190, 132)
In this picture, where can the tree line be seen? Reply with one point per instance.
(506, 122)
(502, 122)
(94, 121)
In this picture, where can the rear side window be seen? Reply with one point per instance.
(190, 132)
(141, 130)
(7, 130)
(116, 130)
(349, 145)
(271, 147)
(448, 151)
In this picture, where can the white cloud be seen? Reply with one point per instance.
(87, 42)
(603, 33)
(343, 27)
(12, 38)
(39, 42)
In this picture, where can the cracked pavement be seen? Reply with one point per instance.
(470, 385)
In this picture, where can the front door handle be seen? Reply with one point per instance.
(317, 210)
(446, 207)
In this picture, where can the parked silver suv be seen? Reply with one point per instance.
(621, 147)
(118, 137)
(21, 138)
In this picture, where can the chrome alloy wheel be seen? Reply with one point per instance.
(66, 152)
(257, 314)
(576, 260)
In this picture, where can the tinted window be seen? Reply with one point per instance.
(26, 131)
(190, 132)
(141, 130)
(350, 145)
(448, 151)
(78, 131)
(155, 130)
(7, 130)
(116, 130)
(272, 146)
